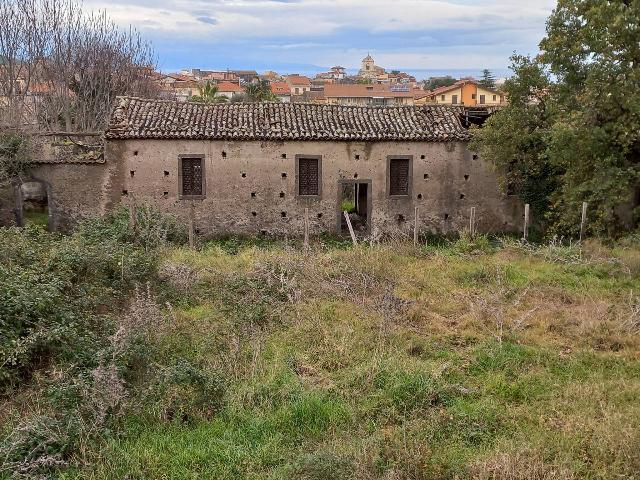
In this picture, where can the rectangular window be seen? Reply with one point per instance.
(192, 179)
(399, 176)
(473, 96)
(482, 99)
(442, 97)
(495, 97)
(308, 175)
(454, 99)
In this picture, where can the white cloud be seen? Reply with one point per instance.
(421, 33)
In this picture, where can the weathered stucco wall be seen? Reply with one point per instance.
(447, 181)
(76, 191)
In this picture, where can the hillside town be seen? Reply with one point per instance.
(373, 85)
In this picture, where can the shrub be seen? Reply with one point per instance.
(185, 392)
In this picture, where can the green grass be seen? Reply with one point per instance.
(32, 217)
(473, 359)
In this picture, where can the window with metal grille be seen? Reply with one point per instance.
(308, 176)
(191, 170)
(399, 176)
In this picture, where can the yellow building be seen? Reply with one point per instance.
(466, 92)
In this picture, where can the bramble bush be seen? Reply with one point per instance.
(73, 311)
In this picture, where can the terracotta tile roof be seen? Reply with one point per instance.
(298, 80)
(165, 119)
(229, 87)
(440, 90)
(280, 88)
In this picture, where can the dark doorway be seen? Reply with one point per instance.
(35, 204)
(355, 198)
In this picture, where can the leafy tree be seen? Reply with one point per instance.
(208, 94)
(260, 91)
(515, 138)
(582, 130)
(437, 82)
(487, 81)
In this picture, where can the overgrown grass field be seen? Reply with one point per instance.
(469, 359)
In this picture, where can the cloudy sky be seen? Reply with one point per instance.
(306, 36)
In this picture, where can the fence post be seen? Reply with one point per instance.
(306, 229)
(525, 230)
(472, 222)
(416, 218)
(583, 222)
(191, 224)
(353, 235)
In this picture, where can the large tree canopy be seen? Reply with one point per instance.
(572, 130)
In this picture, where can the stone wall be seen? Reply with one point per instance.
(76, 191)
(250, 185)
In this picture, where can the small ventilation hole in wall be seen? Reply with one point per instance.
(224, 154)
(446, 216)
(284, 155)
(426, 176)
(253, 194)
(135, 153)
(320, 215)
(254, 213)
(400, 217)
(125, 193)
(422, 157)
(283, 214)
(419, 196)
(281, 194)
(357, 157)
(166, 173)
(132, 172)
(244, 175)
(283, 175)
(263, 232)
(475, 156)
(165, 194)
(466, 177)
(355, 175)
(461, 196)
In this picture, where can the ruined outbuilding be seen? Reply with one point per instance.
(256, 168)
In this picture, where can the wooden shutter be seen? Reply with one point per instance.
(399, 176)
(192, 177)
(308, 176)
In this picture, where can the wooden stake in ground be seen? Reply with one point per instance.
(416, 219)
(191, 225)
(306, 229)
(583, 222)
(353, 235)
(472, 222)
(525, 230)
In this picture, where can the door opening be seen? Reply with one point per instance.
(355, 199)
(35, 204)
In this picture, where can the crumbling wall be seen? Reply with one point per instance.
(8, 207)
(250, 185)
(75, 191)
(73, 170)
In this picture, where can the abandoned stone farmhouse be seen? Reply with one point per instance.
(256, 168)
